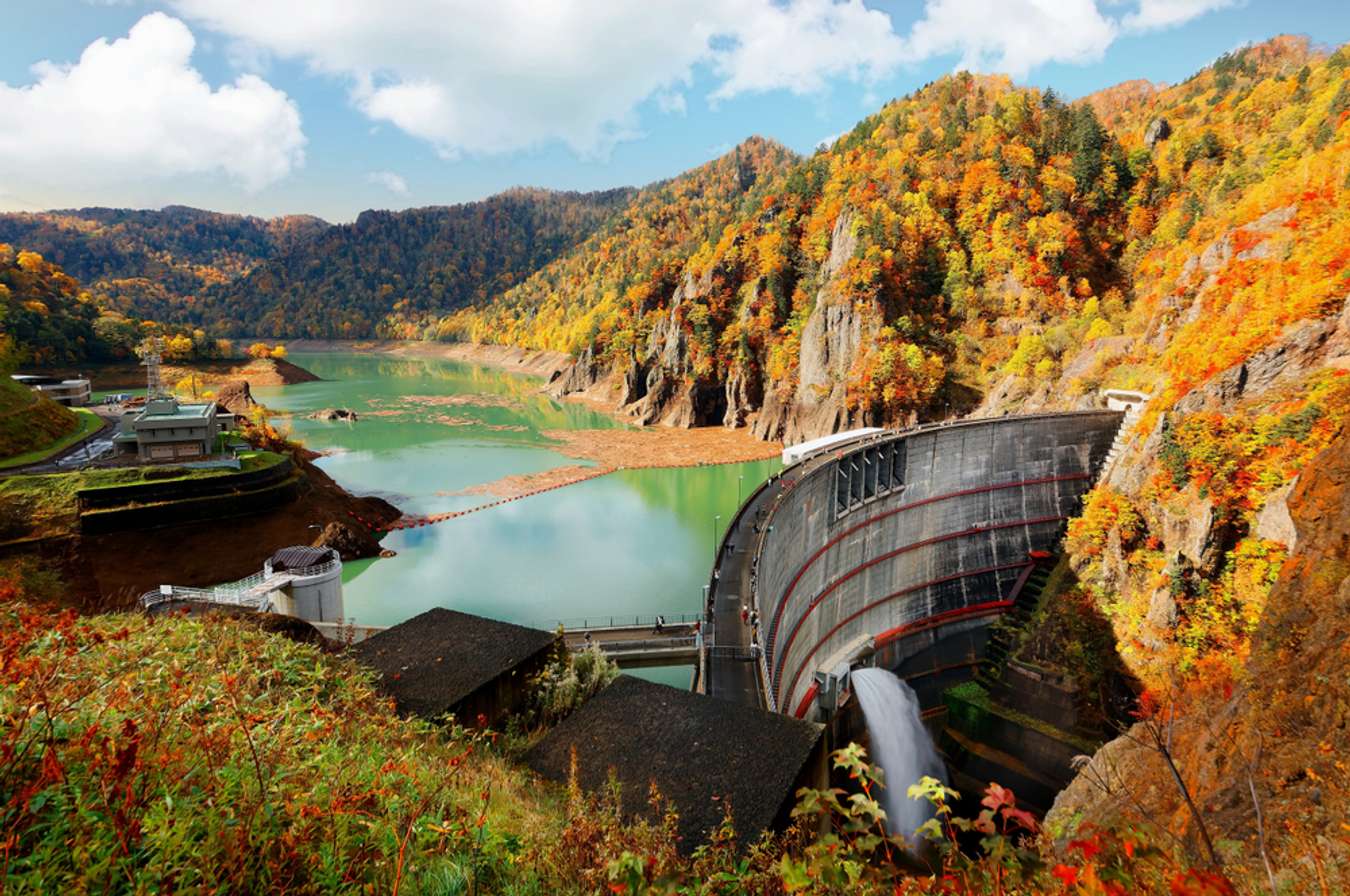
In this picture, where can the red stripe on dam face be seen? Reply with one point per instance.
(779, 656)
(984, 489)
(938, 619)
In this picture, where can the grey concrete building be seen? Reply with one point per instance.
(165, 429)
(73, 393)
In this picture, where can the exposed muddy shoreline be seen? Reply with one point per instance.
(512, 359)
(647, 446)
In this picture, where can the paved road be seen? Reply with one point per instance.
(733, 673)
(71, 455)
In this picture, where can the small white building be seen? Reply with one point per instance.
(73, 393)
(1126, 400)
(312, 588)
(300, 581)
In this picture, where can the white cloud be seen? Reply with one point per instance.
(801, 45)
(1155, 14)
(494, 77)
(135, 109)
(1012, 36)
(390, 181)
(670, 102)
(479, 78)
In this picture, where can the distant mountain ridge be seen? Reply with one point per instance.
(152, 263)
(388, 273)
(299, 276)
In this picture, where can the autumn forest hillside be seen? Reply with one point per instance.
(364, 278)
(965, 235)
(298, 276)
(152, 263)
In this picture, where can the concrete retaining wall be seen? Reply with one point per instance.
(152, 491)
(191, 509)
(915, 524)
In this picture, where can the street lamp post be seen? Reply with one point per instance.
(716, 519)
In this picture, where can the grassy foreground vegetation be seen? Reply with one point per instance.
(31, 424)
(144, 754)
(87, 422)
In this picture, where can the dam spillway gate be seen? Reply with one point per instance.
(896, 546)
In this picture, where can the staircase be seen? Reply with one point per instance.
(1003, 635)
(1123, 434)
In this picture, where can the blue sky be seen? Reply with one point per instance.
(334, 106)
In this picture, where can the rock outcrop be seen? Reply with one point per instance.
(351, 542)
(831, 339)
(346, 414)
(1279, 735)
(1158, 130)
(236, 397)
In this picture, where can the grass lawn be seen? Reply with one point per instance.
(46, 504)
(89, 424)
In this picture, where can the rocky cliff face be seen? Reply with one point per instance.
(835, 332)
(658, 386)
(1260, 720)
(1277, 740)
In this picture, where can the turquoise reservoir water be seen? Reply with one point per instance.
(632, 542)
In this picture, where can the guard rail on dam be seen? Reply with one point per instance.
(889, 546)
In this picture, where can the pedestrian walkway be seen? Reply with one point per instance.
(734, 658)
(642, 644)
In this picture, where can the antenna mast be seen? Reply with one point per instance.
(152, 349)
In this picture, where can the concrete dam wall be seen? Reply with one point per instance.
(889, 546)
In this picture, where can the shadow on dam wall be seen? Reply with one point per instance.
(901, 552)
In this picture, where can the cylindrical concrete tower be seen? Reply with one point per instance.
(315, 591)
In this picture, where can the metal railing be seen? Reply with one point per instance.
(152, 599)
(641, 620)
(681, 644)
(735, 652)
(248, 592)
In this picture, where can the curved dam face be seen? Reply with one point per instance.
(892, 547)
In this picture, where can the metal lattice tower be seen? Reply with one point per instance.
(152, 350)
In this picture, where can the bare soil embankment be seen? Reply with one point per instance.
(632, 449)
(513, 359)
(113, 570)
(211, 375)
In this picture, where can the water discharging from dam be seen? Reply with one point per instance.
(901, 746)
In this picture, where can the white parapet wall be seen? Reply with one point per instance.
(801, 451)
(1125, 399)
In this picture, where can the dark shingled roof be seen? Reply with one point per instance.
(433, 661)
(698, 749)
(299, 557)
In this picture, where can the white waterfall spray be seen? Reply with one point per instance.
(901, 746)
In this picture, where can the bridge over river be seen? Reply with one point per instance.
(635, 643)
